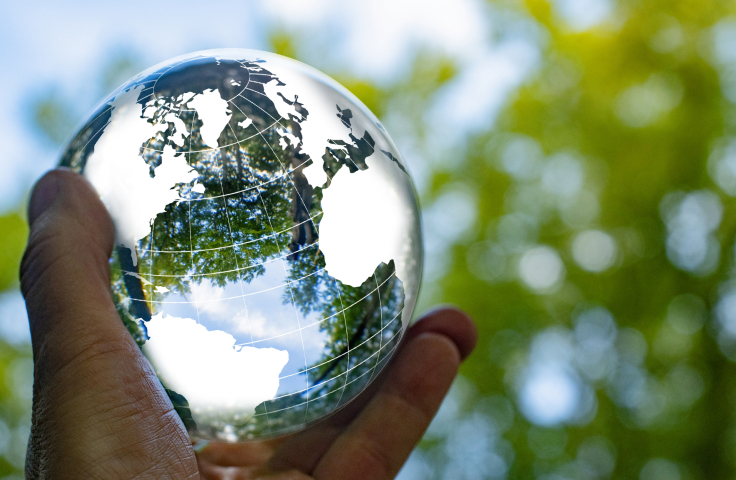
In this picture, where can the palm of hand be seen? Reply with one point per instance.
(372, 436)
(100, 412)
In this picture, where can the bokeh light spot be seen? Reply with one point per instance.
(691, 220)
(541, 268)
(594, 250)
(522, 158)
(686, 313)
(645, 104)
(660, 469)
(563, 175)
(550, 395)
(583, 14)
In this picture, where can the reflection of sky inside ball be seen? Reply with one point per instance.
(260, 319)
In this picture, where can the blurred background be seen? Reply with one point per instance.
(576, 165)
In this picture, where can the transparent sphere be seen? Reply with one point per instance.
(268, 247)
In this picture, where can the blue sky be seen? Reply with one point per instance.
(52, 46)
(64, 45)
(46, 45)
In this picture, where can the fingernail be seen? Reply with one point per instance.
(43, 196)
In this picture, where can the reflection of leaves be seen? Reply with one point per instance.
(352, 155)
(227, 234)
(257, 206)
(357, 315)
(363, 325)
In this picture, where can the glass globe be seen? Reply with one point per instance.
(268, 247)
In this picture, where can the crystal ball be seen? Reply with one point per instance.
(268, 249)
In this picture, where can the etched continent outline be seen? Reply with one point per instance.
(207, 368)
(121, 177)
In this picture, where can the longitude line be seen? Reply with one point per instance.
(191, 245)
(306, 367)
(356, 379)
(380, 347)
(232, 240)
(347, 341)
(293, 304)
(302, 200)
(284, 167)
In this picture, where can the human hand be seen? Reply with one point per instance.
(100, 412)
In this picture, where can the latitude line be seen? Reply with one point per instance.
(269, 289)
(347, 352)
(214, 149)
(275, 120)
(237, 296)
(240, 244)
(352, 381)
(222, 271)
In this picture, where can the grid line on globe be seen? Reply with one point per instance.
(268, 252)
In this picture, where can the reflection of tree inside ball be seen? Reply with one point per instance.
(268, 246)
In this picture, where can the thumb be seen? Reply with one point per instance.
(65, 274)
(98, 407)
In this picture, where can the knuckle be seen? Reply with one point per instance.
(294, 475)
(88, 353)
(373, 461)
(53, 243)
(40, 255)
(411, 410)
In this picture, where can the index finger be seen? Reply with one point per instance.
(379, 440)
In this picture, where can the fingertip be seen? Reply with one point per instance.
(70, 229)
(43, 196)
(450, 322)
(438, 345)
(63, 192)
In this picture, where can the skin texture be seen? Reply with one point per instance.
(99, 411)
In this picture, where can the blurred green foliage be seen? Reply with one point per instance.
(53, 117)
(16, 367)
(601, 249)
(12, 244)
(633, 151)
